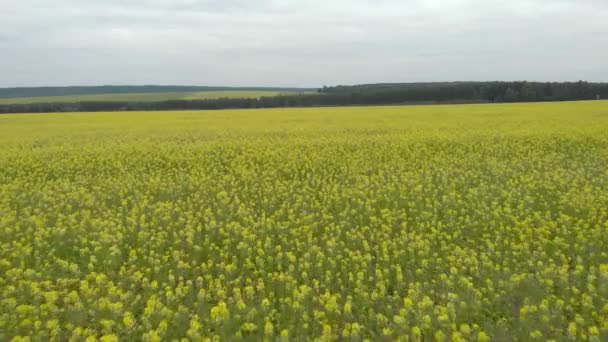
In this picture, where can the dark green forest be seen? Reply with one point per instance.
(369, 94)
(474, 91)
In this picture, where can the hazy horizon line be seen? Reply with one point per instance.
(282, 86)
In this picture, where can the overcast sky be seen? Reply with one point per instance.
(299, 43)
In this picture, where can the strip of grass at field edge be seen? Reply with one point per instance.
(148, 97)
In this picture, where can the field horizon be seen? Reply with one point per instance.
(146, 97)
(142, 98)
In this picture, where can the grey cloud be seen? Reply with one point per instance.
(299, 43)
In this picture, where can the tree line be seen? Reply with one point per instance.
(372, 94)
(522, 91)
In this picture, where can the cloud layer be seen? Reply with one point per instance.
(299, 43)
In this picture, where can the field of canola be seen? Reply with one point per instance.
(429, 223)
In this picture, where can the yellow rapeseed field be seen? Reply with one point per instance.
(430, 223)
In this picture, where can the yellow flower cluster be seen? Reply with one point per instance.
(437, 223)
